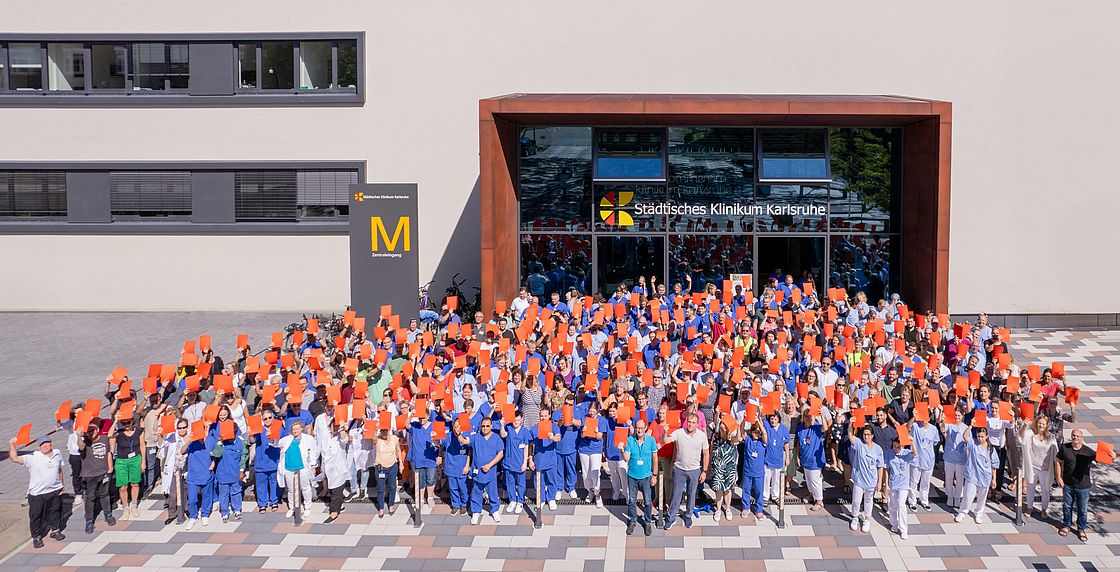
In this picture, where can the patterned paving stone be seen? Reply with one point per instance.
(577, 536)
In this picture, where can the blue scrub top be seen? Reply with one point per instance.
(866, 462)
(954, 444)
(899, 467)
(925, 437)
(516, 445)
(483, 451)
(776, 440)
(811, 441)
(422, 452)
(754, 455)
(978, 469)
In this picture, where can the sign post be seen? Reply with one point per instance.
(384, 251)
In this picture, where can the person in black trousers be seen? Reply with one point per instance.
(97, 465)
(44, 490)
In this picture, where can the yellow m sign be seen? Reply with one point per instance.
(377, 228)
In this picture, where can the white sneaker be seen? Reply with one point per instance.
(497, 515)
(77, 500)
(476, 517)
(855, 523)
(552, 505)
(599, 502)
(866, 527)
(958, 518)
(509, 507)
(557, 495)
(306, 512)
(136, 510)
(571, 495)
(979, 519)
(902, 535)
(744, 513)
(205, 521)
(590, 498)
(190, 523)
(517, 508)
(716, 516)
(431, 502)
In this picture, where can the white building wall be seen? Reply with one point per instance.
(1031, 82)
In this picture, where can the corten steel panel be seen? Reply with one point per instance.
(926, 161)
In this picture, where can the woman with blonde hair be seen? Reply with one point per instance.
(1038, 452)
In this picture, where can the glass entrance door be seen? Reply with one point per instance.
(800, 256)
(622, 259)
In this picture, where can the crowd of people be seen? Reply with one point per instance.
(675, 395)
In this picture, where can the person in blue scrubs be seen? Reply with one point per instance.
(266, 459)
(956, 456)
(810, 440)
(900, 461)
(777, 457)
(979, 474)
(926, 437)
(200, 475)
(754, 468)
(545, 461)
(229, 472)
(422, 455)
(867, 463)
(515, 461)
(455, 466)
(486, 451)
(566, 449)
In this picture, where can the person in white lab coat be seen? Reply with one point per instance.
(336, 466)
(299, 454)
(173, 459)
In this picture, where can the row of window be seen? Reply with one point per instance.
(259, 195)
(165, 67)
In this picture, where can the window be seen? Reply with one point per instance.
(108, 66)
(555, 262)
(554, 178)
(324, 194)
(32, 194)
(158, 66)
(66, 67)
(247, 66)
(315, 69)
(629, 154)
(292, 195)
(711, 165)
(347, 64)
(3, 68)
(26, 66)
(150, 195)
(277, 69)
(794, 155)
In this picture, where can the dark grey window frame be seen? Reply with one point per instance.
(154, 227)
(334, 96)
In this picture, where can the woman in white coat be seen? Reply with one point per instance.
(1039, 450)
(299, 454)
(336, 466)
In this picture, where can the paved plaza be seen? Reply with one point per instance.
(83, 348)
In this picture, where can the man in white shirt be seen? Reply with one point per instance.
(690, 467)
(826, 376)
(520, 304)
(44, 490)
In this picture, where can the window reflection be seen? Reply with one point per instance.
(555, 263)
(711, 165)
(708, 259)
(622, 259)
(794, 154)
(108, 62)
(865, 165)
(66, 67)
(555, 178)
(277, 65)
(629, 154)
(863, 263)
(792, 208)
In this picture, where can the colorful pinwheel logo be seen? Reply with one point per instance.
(359, 197)
(612, 208)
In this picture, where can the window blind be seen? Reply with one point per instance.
(164, 195)
(32, 194)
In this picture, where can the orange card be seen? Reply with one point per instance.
(904, 435)
(167, 425)
(277, 339)
(118, 374)
(93, 407)
(980, 418)
(921, 411)
(1058, 369)
(223, 383)
(402, 422)
(859, 417)
(439, 430)
(226, 430)
(254, 423)
(814, 406)
(63, 412)
(198, 430)
(729, 422)
(1072, 395)
(369, 429)
(204, 343)
(23, 436)
(274, 430)
(1035, 393)
(566, 415)
(621, 434)
(341, 414)
(544, 429)
(453, 303)
(1104, 453)
(591, 427)
(1005, 410)
(803, 390)
(463, 423)
(210, 413)
(1026, 410)
(950, 415)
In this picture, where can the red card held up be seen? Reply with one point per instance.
(1104, 452)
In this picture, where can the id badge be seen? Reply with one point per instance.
(640, 462)
(132, 454)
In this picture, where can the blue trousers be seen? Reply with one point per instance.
(458, 486)
(386, 479)
(490, 487)
(1075, 499)
(752, 488)
(550, 482)
(567, 469)
(268, 492)
(515, 486)
(193, 492)
(229, 497)
(632, 487)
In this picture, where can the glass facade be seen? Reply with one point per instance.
(600, 206)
